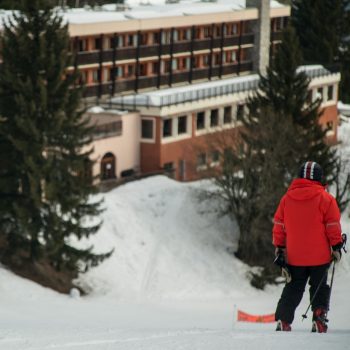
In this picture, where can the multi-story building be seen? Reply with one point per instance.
(181, 70)
(152, 47)
(185, 69)
(184, 129)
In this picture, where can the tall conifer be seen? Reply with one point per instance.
(280, 132)
(44, 182)
(323, 29)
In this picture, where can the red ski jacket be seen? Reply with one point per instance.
(307, 223)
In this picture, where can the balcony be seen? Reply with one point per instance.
(87, 58)
(276, 36)
(124, 53)
(166, 79)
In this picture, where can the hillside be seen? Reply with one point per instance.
(171, 284)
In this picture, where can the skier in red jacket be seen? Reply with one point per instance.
(307, 233)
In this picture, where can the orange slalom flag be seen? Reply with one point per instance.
(244, 317)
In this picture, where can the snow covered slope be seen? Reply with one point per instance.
(172, 283)
(169, 243)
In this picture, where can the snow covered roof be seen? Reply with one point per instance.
(148, 9)
(194, 92)
(313, 71)
(145, 9)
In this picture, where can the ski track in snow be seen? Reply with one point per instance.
(195, 339)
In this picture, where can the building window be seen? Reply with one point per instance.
(231, 56)
(167, 129)
(166, 66)
(214, 117)
(330, 125)
(320, 93)
(82, 45)
(240, 112)
(108, 130)
(144, 39)
(155, 67)
(216, 59)
(147, 129)
(97, 44)
(166, 37)
(206, 60)
(108, 74)
(130, 40)
(234, 29)
(174, 64)
(207, 32)
(130, 70)
(215, 157)
(184, 34)
(279, 23)
(113, 41)
(84, 76)
(182, 125)
(169, 168)
(228, 115)
(218, 31)
(96, 75)
(309, 96)
(119, 72)
(201, 161)
(155, 37)
(330, 93)
(195, 62)
(143, 69)
(200, 120)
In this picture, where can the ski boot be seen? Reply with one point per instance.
(319, 321)
(283, 326)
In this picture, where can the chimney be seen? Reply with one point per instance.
(262, 35)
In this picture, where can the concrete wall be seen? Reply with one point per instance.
(126, 147)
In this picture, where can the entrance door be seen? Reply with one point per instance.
(108, 166)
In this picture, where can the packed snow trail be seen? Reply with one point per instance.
(99, 324)
(172, 284)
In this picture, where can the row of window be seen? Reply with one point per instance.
(203, 159)
(108, 130)
(212, 120)
(212, 158)
(181, 125)
(178, 64)
(165, 37)
(325, 93)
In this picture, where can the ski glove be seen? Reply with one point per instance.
(336, 252)
(280, 251)
(286, 274)
(280, 261)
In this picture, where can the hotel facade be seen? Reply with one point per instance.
(173, 77)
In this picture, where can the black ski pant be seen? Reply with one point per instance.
(294, 290)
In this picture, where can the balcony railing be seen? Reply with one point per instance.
(166, 80)
(123, 53)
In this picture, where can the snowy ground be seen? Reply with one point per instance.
(171, 284)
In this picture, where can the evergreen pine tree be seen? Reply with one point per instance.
(44, 181)
(323, 30)
(280, 131)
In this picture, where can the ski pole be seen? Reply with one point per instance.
(331, 286)
(316, 291)
(344, 239)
